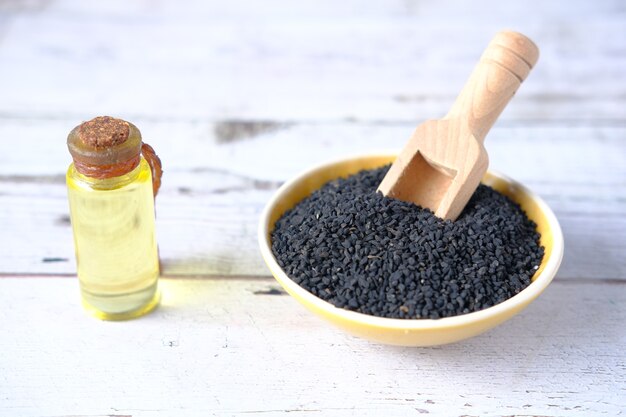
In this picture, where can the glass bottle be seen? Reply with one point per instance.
(111, 192)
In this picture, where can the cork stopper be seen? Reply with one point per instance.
(104, 132)
(105, 147)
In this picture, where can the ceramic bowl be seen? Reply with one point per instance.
(412, 332)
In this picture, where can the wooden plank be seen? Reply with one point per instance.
(305, 62)
(219, 176)
(273, 151)
(229, 347)
(216, 234)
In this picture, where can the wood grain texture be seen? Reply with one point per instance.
(237, 97)
(232, 347)
(309, 61)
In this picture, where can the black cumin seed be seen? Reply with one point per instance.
(364, 252)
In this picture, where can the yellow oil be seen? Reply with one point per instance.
(115, 242)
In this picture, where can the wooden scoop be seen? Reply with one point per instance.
(442, 164)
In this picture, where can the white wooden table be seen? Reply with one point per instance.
(239, 96)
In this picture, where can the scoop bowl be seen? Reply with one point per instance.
(411, 332)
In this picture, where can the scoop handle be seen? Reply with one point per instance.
(503, 66)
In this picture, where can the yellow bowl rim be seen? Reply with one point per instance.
(524, 297)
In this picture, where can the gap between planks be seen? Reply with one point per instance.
(210, 277)
(139, 118)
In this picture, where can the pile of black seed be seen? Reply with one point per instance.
(358, 250)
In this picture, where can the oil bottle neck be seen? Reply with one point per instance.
(108, 183)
